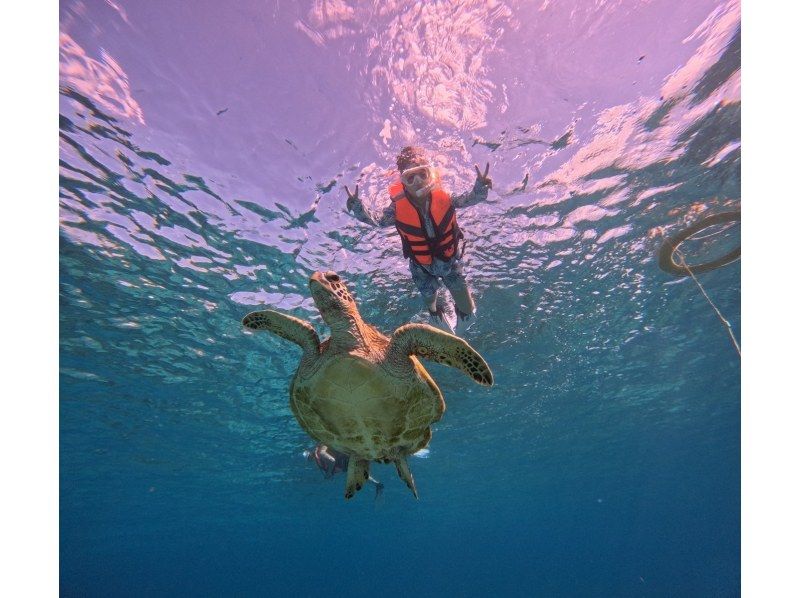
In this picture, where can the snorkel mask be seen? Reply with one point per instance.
(419, 180)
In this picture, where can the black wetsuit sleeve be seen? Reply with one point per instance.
(387, 216)
(363, 214)
(477, 194)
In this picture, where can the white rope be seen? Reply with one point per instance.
(722, 229)
(719, 314)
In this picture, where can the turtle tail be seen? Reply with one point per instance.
(405, 474)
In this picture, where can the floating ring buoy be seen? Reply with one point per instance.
(666, 254)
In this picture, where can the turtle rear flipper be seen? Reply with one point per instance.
(405, 474)
(288, 327)
(427, 342)
(357, 476)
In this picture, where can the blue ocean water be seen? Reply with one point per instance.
(203, 157)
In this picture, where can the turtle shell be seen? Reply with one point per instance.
(353, 404)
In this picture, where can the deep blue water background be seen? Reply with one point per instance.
(605, 460)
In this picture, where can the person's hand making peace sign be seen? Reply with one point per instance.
(484, 179)
(352, 198)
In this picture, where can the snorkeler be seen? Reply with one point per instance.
(331, 461)
(424, 215)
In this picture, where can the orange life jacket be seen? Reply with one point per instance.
(411, 225)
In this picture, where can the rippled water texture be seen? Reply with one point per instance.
(204, 150)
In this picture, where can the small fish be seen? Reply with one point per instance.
(223, 111)
(521, 187)
(491, 145)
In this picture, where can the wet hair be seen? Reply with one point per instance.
(411, 156)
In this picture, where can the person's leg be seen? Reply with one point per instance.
(456, 283)
(427, 284)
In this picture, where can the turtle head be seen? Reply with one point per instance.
(333, 300)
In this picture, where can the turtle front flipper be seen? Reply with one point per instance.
(357, 476)
(405, 474)
(288, 327)
(427, 342)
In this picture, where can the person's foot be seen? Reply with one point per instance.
(464, 320)
(440, 319)
(437, 315)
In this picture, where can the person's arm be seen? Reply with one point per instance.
(387, 216)
(357, 208)
(479, 192)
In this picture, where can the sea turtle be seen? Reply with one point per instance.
(361, 392)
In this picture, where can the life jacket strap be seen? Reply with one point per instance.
(411, 230)
(447, 218)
